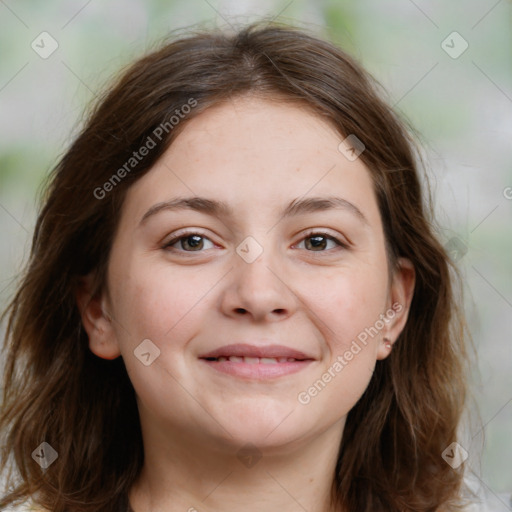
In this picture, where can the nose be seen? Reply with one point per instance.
(258, 290)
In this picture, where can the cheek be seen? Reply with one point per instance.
(341, 386)
(349, 304)
(351, 351)
(158, 303)
(349, 308)
(163, 306)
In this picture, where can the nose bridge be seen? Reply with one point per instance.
(258, 286)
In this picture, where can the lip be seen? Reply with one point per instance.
(247, 350)
(254, 369)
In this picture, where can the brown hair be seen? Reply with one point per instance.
(56, 390)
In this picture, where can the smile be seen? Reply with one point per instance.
(256, 362)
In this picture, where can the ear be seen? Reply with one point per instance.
(96, 320)
(399, 301)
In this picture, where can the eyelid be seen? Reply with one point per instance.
(342, 241)
(181, 234)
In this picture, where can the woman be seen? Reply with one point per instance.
(236, 298)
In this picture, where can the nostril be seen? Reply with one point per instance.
(241, 310)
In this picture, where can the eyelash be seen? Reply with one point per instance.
(310, 234)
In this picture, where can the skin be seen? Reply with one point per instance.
(257, 155)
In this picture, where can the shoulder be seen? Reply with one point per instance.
(481, 498)
(28, 506)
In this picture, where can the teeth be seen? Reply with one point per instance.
(256, 360)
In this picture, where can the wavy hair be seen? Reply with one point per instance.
(55, 390)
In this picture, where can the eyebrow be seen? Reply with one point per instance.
(221, 209)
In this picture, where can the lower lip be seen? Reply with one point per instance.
(257, 370)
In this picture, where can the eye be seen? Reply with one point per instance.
(318, 241)
(190, 242)
(195, 242)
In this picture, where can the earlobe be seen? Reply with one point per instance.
(96, 320)
(399, 303)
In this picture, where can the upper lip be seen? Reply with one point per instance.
(246, 350)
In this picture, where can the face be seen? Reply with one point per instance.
(265, 304)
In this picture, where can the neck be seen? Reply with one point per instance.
(182, 472)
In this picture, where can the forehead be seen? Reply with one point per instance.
(255, 153)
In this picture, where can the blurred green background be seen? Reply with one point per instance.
(461, 105)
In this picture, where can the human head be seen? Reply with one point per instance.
(411, 396)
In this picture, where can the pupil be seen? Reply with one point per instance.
(196, 241)
(317, 241)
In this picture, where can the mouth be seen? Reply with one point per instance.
(253, 360)
(256, 362)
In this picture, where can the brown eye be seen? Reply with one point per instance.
(318, 242)
(188, 242)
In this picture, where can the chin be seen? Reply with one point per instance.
(270, 427)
